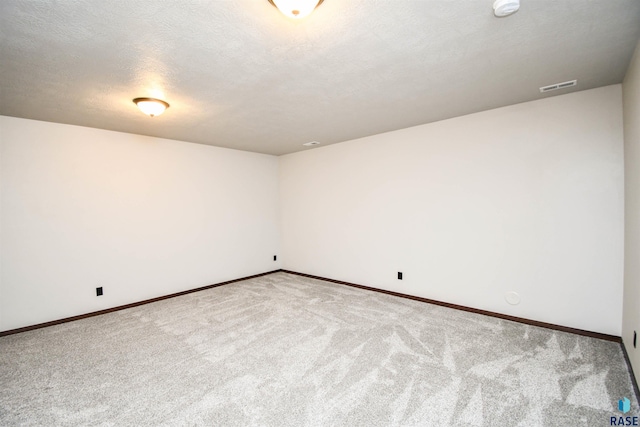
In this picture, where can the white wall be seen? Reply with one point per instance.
(631, 317)
(140, 216)
(526, 198)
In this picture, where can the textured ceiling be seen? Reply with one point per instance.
(239, 74)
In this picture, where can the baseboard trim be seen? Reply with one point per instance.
(633, 375)
(122, 307)
(471, 310)
(582, 332)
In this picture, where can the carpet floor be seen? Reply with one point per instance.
(284, 350)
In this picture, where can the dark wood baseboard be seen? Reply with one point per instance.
(471, 310)
(122, 307)
(340, 282)
(590, 334)
(354, 285)
(582, 332)
(633, 376)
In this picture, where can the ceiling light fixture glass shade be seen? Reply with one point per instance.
(296, 9)
(151, 106)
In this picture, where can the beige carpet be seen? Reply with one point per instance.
(283, 350)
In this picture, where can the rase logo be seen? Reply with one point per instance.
(624, 406)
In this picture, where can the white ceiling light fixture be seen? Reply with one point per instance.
(502, 8)
(296, 9)
(311, 144)
(150, 106)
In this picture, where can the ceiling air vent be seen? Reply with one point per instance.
(309, 144)
(558, 86)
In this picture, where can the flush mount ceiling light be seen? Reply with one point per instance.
(296, 9)
(151, 106)
(503, 8)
